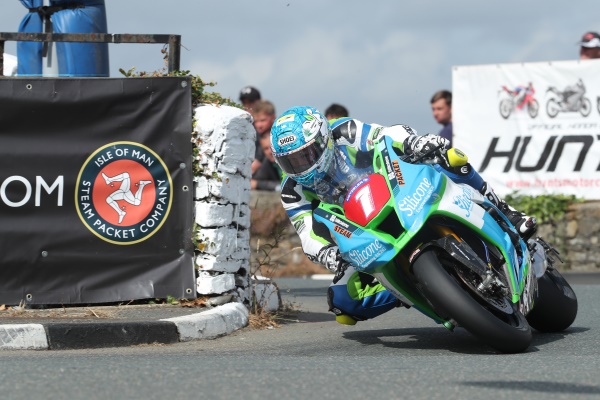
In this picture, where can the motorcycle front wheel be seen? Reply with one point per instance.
(586, 107)
(552, 108)
(555, 307)
(497, 323)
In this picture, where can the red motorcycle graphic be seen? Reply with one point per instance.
(571, 99)
(519, 98)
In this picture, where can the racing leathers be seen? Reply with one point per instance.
(356, 294)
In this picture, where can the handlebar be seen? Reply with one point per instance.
(453, 157)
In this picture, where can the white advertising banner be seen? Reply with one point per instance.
(531, 128)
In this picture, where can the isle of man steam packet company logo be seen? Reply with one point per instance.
(123, 193)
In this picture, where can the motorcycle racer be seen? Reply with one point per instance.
(306, 146)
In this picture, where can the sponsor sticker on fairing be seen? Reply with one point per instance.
(414, 203)
(464, 200)
(398, 173)
(342, 231)
(388, 168)
(338, 221)
(356, 186)
(367, 255)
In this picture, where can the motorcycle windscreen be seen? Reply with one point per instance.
(366, 198)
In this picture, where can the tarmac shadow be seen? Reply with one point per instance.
(458, 341)
(541, 338)
(299, 316)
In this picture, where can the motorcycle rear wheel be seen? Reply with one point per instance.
(555, 308)
(505, 332)
(533, 108)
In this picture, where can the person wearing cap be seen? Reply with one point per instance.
(248, 96)
(590, 46)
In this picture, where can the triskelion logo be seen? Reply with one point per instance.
(124, 193)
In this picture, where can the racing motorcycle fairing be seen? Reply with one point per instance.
(382, 211)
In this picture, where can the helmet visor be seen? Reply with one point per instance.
(303, 159)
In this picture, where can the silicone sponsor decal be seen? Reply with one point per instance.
(414, 203)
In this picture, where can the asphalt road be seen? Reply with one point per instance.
(401, 354)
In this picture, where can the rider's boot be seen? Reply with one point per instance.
(526, 225)
(345, 319)
(370, 300)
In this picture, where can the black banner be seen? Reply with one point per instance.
(95, 190)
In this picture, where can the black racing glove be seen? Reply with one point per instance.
(421, 148)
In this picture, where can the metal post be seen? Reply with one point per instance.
(1, 57)
(174, 52)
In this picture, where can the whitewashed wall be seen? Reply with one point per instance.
(226, 143)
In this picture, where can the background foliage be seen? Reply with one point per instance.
(199, 93)
(546, 208)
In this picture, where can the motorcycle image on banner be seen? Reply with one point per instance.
(444, 249)
(569, 100)
(518, 99)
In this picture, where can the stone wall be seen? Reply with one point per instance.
(575, 235)
(225, 144)
(225, 141)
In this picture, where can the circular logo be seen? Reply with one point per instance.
(123, 193)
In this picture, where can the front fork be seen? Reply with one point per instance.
(488, 279)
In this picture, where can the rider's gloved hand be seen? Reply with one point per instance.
(333, 261)
(419, 146)
(329, 258)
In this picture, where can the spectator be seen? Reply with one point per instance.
(336, 111)
(248, 96)
(263, 112)
(441, 106)
(590, 46)
(268, 175)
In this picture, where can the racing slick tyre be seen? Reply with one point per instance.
(555, 307)
(505, 328)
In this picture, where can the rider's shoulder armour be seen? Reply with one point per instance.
(345, 131)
